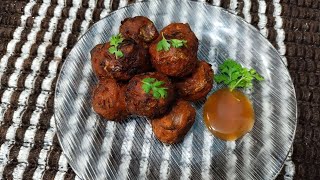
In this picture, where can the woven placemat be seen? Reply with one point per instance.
(36, 36)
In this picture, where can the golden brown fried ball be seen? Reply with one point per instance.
(172, 127)
(145, 104)
(140, 29)
(98, 60)
(109, 100)
(197, 85)
(134, 61)
(177, 62)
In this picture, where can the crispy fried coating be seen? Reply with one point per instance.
(98, 61)
(172, 127)
(139, 28)
(145, 104)
(109, 100)
(176, 62)
(135, 60)
(197, 85)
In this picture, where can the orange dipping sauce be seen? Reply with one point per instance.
(228, 114)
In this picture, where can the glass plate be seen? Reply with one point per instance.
(100, 149)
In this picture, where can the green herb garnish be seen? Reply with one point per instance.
(154, 85)
(178, 43)
(235, 76)
(115, 42)
(165, 45)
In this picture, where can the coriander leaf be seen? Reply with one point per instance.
(229, 66)
(178, 43)
(258, 77)
(233, 84)
(158, 83)
(163, 92)
(154, 85)
(118, 54)
(220, 78)
(156, 94)
(249, 85)
(146, 88)
(235, 76)
(252, 71)
(148, 80)
(163, 44)
(116, 40)
(112, 49)
(114, 43)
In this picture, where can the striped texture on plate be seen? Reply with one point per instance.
(98, 149)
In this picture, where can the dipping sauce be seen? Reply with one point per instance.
(228, 114)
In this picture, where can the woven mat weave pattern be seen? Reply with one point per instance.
(37, 35)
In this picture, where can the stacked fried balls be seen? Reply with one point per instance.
(147, 73)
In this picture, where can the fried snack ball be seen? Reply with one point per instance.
(139, 102)
(139, 28)
(109, 100)
(98, 60)
(172, 127)
(177, 62)
(197, 85)
(135, 60)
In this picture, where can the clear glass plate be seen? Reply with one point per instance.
(100, 149)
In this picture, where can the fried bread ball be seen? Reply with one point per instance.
(197, 85)
(176, 62)
(98, 60)
(172, 127)
(135, 60)
(109, 100)
(139, 102)
(139, 28)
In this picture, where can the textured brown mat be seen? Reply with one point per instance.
(36, 38)
(301, 21)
